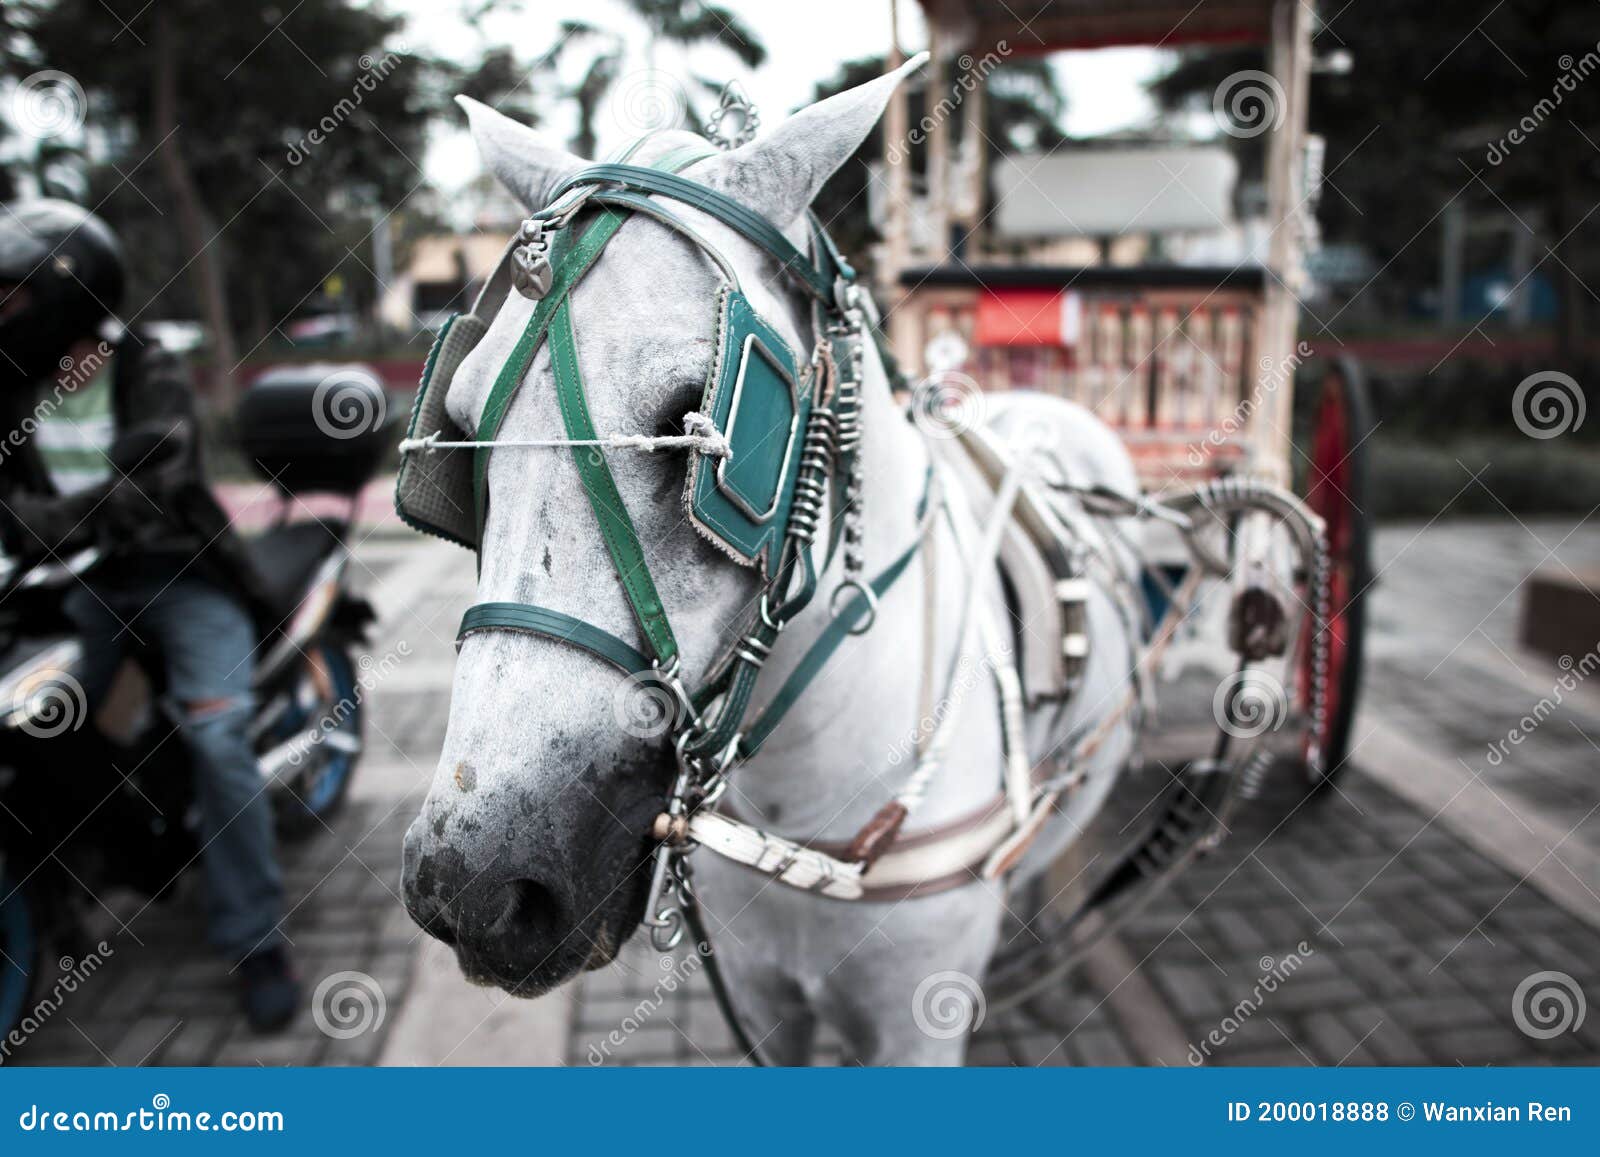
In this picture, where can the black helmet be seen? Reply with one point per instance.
(68, 264)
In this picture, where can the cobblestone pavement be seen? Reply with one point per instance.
(1415, 940)
(1415, 943)
(1413, 948)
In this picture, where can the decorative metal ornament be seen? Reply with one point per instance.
(734, 121)
(531, 271)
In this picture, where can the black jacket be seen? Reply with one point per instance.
(156, 502)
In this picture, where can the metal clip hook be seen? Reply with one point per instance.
(531, 271)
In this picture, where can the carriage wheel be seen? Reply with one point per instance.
(1337, 489)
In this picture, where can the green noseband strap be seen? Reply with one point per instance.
(555, 625)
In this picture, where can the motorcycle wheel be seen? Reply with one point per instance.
(329, 699)
(19, 952)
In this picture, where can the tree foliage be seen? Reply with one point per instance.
(296, 128)
(1425, 118)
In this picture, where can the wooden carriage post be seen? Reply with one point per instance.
(1277, 324)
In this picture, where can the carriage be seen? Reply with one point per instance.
(1093, 274)
(1117, 535)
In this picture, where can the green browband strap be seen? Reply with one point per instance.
(820, 282)
(617, 191)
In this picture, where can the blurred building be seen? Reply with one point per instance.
(443, 274)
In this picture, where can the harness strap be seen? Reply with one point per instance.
(569, 270)
(552, 319)
(731, 213)
(616, 528)
(835, 633)
(544, 621)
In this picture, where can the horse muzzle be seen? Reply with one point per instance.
(526, 926)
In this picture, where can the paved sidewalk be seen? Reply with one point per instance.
(1416, 940)
(1421, 916)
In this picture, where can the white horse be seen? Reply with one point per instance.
(531, 855)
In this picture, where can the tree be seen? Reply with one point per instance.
(244, 154)
(1426, 117)
(685, 23)
(1023, 111)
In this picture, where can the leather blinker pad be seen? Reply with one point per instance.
(755, 398)
(433, 490)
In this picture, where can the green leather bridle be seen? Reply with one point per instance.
(711, 728)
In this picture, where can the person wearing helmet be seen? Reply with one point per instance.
(123, 474)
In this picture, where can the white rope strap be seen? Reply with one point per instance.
(701, 435)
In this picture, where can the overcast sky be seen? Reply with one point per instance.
(806, 40)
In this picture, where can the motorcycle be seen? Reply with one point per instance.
(102, 795)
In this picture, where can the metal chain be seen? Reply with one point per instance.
(847, 406)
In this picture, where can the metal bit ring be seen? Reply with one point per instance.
(870, 595)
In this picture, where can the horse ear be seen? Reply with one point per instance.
(522, 160)
(781, 173)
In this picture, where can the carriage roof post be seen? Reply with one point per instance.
(1277, 323)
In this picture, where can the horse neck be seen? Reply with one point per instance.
(848, 744)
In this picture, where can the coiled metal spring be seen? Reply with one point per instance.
(816, 455)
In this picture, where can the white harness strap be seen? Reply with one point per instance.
(952, 853)
(790, 863)
(989, 841)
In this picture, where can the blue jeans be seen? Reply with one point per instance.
(207, 641)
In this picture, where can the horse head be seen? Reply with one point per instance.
(531, 853)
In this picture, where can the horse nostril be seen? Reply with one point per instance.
(532, 907)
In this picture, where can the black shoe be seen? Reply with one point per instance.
(269, 991)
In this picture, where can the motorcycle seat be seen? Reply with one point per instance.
(286, 557)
